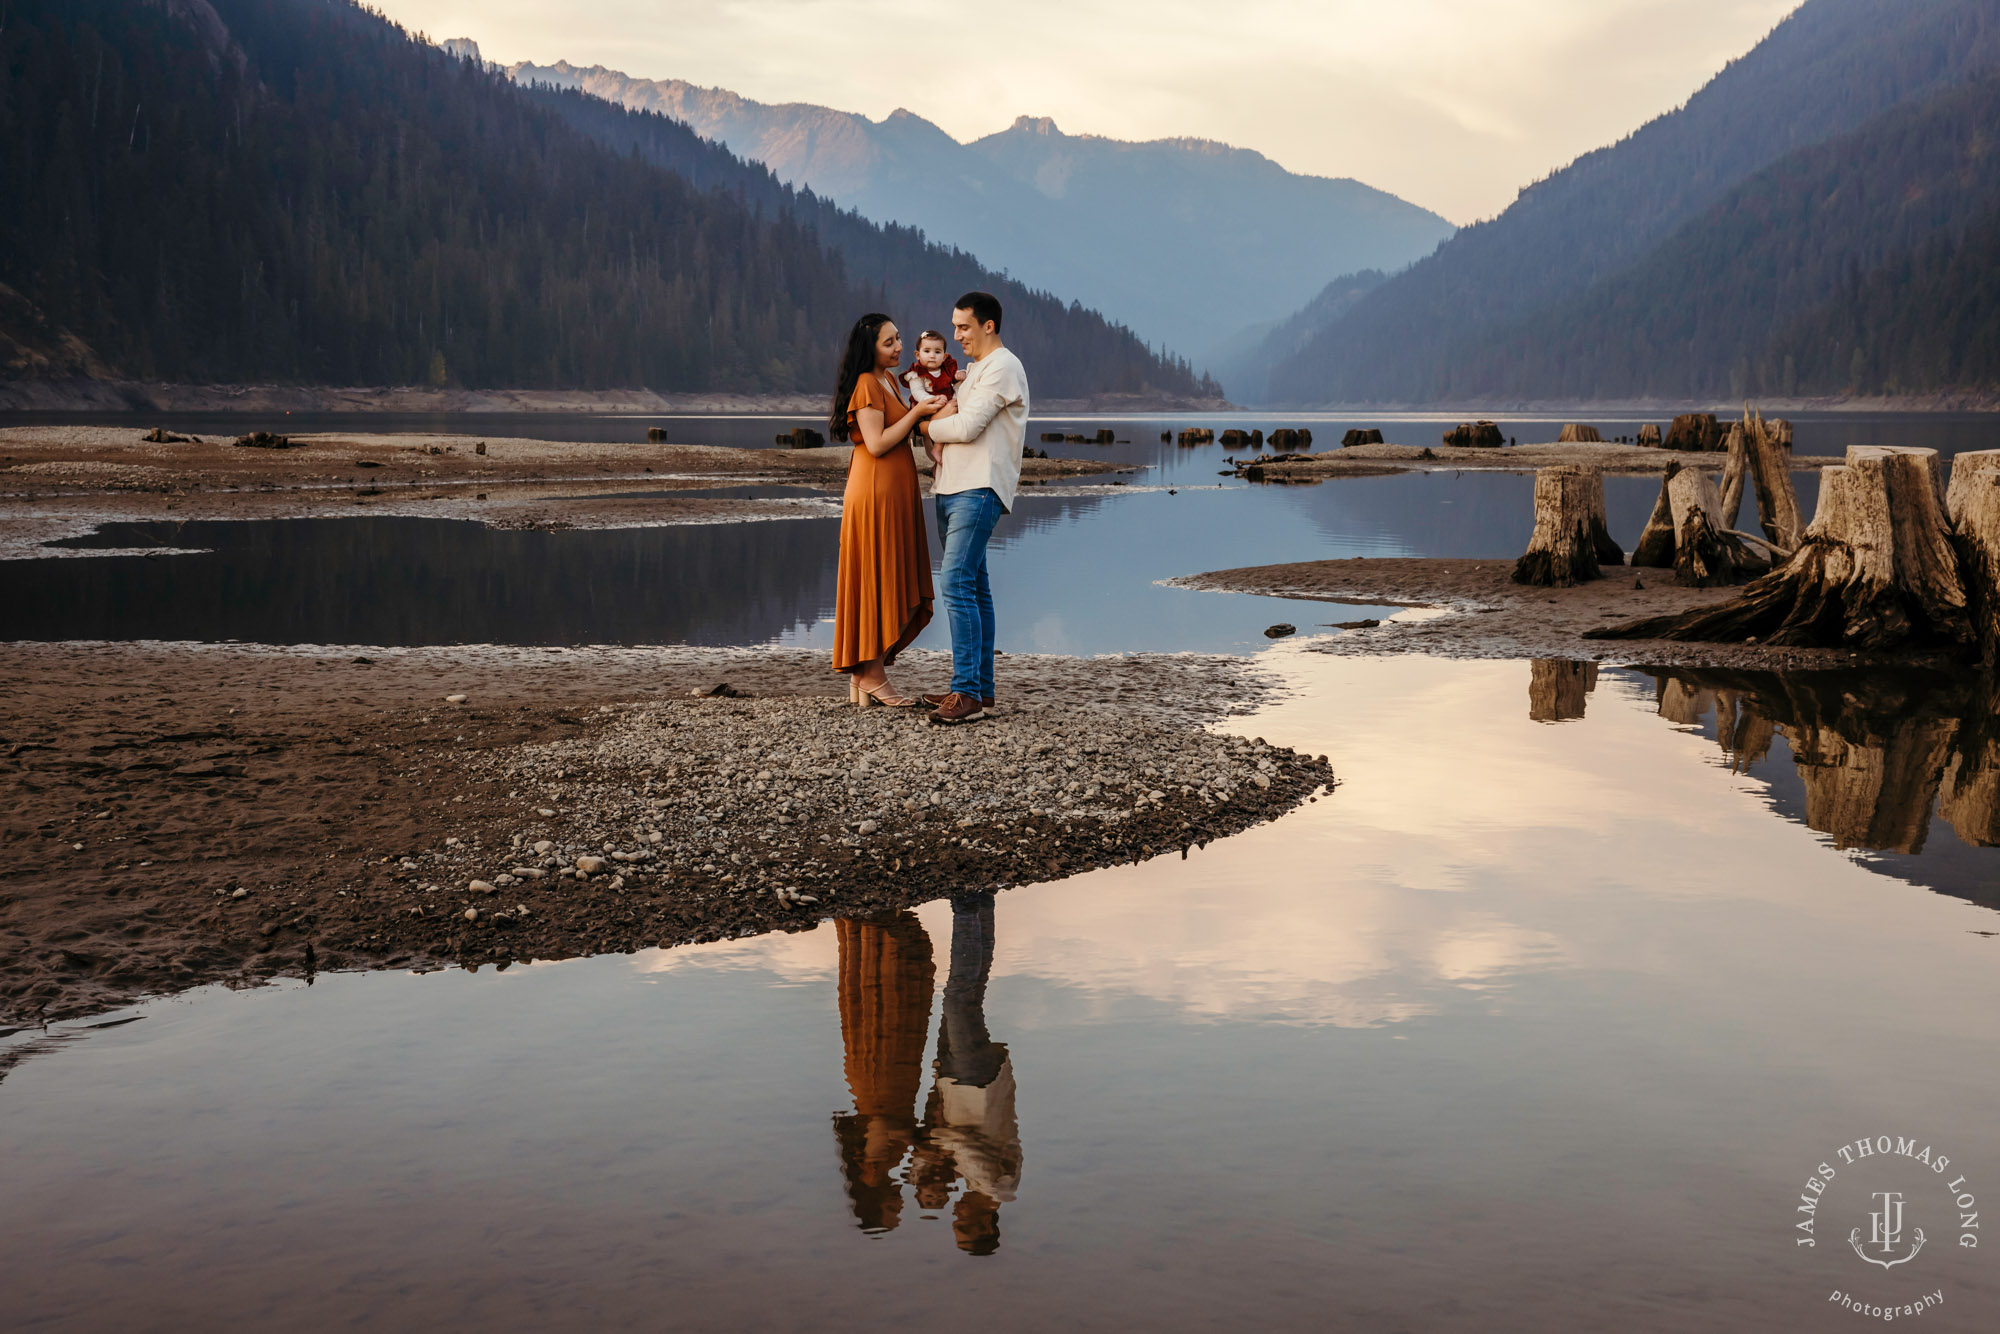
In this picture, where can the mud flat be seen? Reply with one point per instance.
(64, 481)
(1485, 614)
(1374, 460)
(172, 815)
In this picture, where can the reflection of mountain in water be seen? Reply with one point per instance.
(432, 581)
(1874, 756)
(968, 1134)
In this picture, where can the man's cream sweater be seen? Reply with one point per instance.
(981, 443)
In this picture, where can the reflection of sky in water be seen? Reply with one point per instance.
(1520, 1018)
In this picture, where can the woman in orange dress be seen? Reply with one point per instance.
(884, 597)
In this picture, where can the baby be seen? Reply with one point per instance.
(933, 374)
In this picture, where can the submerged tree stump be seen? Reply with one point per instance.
(1876, 569)
(1570, 541)
(1649, 436)
(1576, 434)
(1973, 501)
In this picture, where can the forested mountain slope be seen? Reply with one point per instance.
(1724, 306)
(299, 191)
(1828, 69)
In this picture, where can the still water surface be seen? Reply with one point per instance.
(1072, 573)
(1526, 1026)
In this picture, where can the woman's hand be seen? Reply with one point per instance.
(930, 405)
(950, 408)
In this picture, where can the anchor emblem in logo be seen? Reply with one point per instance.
(1887, 1233)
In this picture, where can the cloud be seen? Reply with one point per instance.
(1453, 104)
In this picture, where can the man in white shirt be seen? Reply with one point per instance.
(975, 448)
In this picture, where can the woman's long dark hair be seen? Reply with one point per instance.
(857, 361)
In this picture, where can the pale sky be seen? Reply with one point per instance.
(1452, 104)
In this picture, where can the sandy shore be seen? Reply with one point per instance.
(1485, 614)
(179, 814)
(63, 481)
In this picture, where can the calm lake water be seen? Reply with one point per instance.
(1542, 1020)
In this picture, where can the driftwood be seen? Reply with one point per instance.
(1570, 541)
(1558, 689)
(1973, 501)
(1875, 570)
(1575, 434)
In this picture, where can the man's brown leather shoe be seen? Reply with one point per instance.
(933, 701)
(957, 708)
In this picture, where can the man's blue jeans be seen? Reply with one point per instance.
(965, 522)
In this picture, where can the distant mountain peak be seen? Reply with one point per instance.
(1096, 218)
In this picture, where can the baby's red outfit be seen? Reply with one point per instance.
(941, 382)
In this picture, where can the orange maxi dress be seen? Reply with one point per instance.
(884, 594)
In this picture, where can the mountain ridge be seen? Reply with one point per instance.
(1184, 239)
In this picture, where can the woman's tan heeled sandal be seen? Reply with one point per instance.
(889, 700)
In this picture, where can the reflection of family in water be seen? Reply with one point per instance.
(967, 1133)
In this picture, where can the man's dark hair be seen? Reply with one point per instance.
(983, 305)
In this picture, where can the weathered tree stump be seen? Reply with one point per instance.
(1697, 431)
(1576, 434)
(1570, 541)
(1770, 467)
(1649, 436)
(1475, 435)
(1706, 554)
(1876, 569)
(1734, 469)
(1558, 689)
(1973, 501)
(1703, 553)
(1655, 548)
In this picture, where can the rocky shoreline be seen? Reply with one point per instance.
(176, 815)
